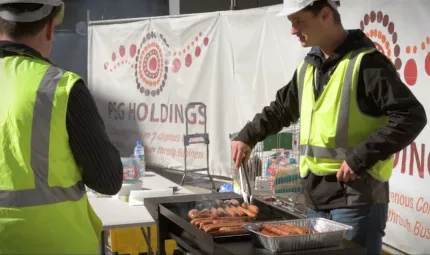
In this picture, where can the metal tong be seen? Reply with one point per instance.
(247, 195)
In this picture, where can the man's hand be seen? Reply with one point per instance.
(346, 174)
(240, 151)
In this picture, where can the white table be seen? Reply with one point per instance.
(115, 213)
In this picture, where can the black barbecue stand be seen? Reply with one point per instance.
(171, 216)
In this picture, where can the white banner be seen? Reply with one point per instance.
(144, 73)
(398, 29)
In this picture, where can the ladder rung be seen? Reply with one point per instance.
(197, 170)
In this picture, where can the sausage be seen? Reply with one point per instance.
(205, 222)
(237, 211)
(294, 229)
(228, 221)
(245, 218)
(267, 233)
(214, 212)
(193, 221)
(226, 203)
(197, 222)
(233, 231)
(192, 213)
(253, 209)
(246, 212)
(274, 229)
(216, 227)
(202, 216)
(226, 229)
(288, 229)
(231, 212)
(221, 212)
(204, 211)
(234, 202)
(305, 230)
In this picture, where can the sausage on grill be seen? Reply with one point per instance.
(246, 212)
(216, 227)
(234, 202)
(192, 213)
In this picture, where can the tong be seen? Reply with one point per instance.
(245, 194)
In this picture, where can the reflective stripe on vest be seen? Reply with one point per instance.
(42, 194)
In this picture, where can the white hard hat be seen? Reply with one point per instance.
(32, 16)
(293, 6)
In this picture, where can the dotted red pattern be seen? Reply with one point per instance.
(152, 64)
(192, 50)
(152, 60)
(386, 41)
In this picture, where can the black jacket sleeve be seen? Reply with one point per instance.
(93, 151)
(279, 114)
(383, 93)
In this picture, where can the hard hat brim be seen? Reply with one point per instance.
(293, 9)
(34, 15)
(288, 11)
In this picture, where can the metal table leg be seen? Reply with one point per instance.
(147, 240)
(103, 243)
(148, 229)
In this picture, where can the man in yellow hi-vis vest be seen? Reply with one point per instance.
(354, 113)
(52, 141)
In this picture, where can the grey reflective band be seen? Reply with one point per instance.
(323, 152)
(342, 127)
(341, 138)
(301, 82)
(42, 194)
(26, 17)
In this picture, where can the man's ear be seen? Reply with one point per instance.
(50, 29)
(325, 13)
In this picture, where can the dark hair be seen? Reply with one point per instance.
(17, 30)
(318, 5)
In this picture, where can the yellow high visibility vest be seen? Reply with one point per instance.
(332, 125)
(44, 208)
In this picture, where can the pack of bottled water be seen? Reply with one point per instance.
(134, 167)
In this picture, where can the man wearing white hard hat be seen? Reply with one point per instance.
(355, 113)
(52, 141)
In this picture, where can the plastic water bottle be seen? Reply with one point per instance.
(139, 155)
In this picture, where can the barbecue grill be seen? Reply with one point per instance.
(171, 216)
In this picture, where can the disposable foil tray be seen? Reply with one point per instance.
(329, 234)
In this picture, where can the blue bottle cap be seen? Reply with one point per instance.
(226, 188)
(139, 143)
